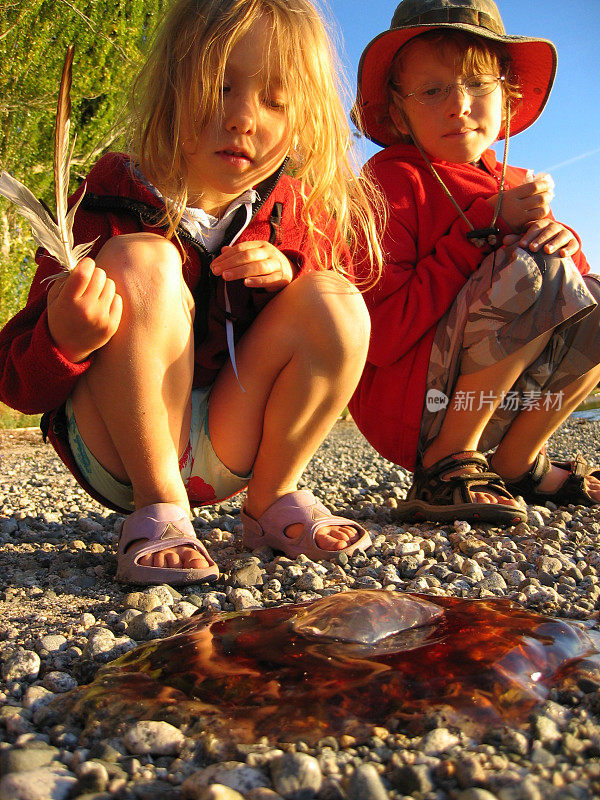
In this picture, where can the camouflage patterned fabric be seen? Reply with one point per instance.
(514, 297)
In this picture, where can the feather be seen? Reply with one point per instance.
(55, 237)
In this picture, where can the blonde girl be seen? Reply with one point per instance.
(213, 338)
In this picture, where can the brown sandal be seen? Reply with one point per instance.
(440, 495)
(572, 492)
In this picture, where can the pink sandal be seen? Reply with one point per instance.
(151, 529)
(298, 507)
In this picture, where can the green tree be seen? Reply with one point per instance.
(109, 40)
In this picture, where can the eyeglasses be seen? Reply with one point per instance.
(475, 86)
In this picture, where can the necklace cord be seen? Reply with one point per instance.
(486, 235)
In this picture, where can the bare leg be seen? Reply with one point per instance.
(530, 430)
(133, 405)
(462, 428)
(299, 364)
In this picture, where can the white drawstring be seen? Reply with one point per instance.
(228, 322)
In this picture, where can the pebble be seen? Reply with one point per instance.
(215, 791)
(93, 776)
(249, 574)
(153, 738)
(59, 682)
(149, 625)
(234, 774)
(87, 620)
(365, 784)
(243, 599)
(438, 741)
(38, 784)
(412, 778)
(31, 756)
(36, 697)
(262, 793)
(296, 776)
(143, 601)
(23, 666)
(51, 643)
(100, 642)
(475, 793)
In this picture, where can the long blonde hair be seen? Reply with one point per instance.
(183, 78)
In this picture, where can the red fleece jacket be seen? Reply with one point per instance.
(34, 374)
(428, 261)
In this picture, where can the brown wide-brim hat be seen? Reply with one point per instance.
(533, 61)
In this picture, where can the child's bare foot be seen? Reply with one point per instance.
(330, 538)
(177, 557)
(144, 554)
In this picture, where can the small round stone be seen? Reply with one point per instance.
(366, 784)
(51, 643)
(438, 741)
(59, 682)
(156, 738)
(233, 774)
(296, 775)
(22, 666)
(37, 784)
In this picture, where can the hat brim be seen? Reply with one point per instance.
(533, 68)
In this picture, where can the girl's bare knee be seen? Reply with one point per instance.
(335, 312)
(144, 266)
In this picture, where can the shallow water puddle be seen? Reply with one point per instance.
(341, 665)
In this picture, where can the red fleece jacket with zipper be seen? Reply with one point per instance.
(36, 377)
(428, 260)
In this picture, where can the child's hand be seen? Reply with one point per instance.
(525, 204)
(258, 264)
(550, 235)
(84, 311)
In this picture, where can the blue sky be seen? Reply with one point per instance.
(565, 140)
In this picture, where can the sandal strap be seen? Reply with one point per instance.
(158, 527)
(534, 476)
(302, 507)
(578, 467)
(451, 463)
(439, 485)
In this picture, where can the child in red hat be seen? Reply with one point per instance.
(484, 326)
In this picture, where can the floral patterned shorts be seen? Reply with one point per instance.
(513, 298)
(205, 477)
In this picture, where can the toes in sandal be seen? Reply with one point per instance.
(572, 491)
(154, 528)
(439, 494)
(304, 508)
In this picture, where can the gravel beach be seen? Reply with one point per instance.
(63, 617)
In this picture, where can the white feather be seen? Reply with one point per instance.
(55, 237)
(45, 231)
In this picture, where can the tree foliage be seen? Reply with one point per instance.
(109, 40)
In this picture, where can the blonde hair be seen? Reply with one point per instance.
(183, 78)
(473, 55)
